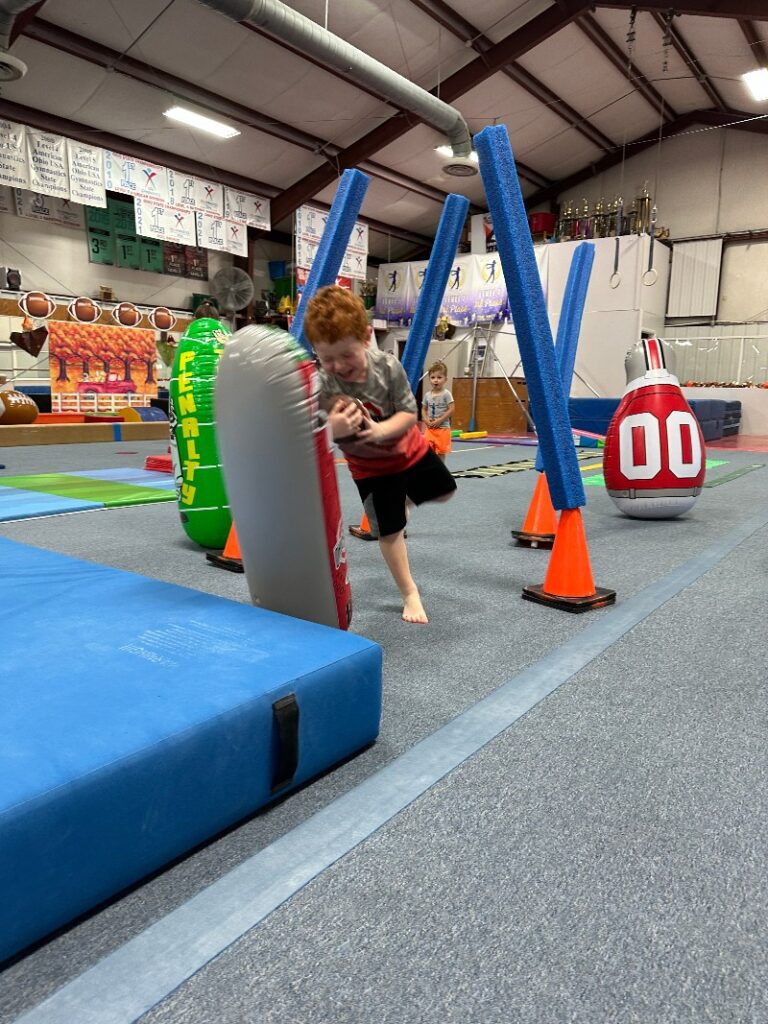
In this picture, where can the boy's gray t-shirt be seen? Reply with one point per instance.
(384, 392)
(436, 405)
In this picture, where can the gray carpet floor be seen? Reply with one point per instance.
(480, 635)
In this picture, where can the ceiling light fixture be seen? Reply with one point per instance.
(205, 124)
(757, 83)
(458, 166)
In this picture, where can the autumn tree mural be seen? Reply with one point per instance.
(118, 350)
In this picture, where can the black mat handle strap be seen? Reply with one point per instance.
(286, 715)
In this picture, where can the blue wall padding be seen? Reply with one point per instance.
(137, 722)
(571, 312)
(433, 289)
(330, 253)
(529, 313)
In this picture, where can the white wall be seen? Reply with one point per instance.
(54, 258)
(704, 182)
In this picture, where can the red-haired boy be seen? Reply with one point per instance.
(373, 414)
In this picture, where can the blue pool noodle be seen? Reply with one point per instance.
(529, 313)
(569, 326)
(330, 253)
(433, 289)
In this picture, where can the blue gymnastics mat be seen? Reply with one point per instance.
(138, 719)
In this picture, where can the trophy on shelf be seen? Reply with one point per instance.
(585, 221)
(642, 205)
(564, 229)
(600, 220)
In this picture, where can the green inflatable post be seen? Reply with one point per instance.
(200, 491)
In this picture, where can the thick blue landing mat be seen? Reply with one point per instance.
(137, 720)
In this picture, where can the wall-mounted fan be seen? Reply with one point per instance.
(233, 290)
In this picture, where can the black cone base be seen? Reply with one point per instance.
(232, 564)
(600, 599)
(533, 540)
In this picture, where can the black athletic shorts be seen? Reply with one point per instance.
(384, 496)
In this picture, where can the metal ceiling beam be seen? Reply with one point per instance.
(754, 9)
(102, 56)
(684, 51)
(513, 46)
(756, 44)
(45, 122)
(736, 119)
(713, 118)
(444, 15)
(525, 172)
(23, 19)
(600, 38)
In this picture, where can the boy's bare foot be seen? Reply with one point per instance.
(413, 609)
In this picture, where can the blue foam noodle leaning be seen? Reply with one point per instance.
(571, 314)
(529, 313)
(330, 253)
(433, 289)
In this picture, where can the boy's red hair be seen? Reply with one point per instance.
(334, 313)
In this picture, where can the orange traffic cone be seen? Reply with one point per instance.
(568, 583)
(363, 531)
(230, 558)
(540, 524)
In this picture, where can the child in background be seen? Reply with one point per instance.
(372, 415)
(437, 409)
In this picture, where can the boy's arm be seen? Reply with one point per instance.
(446, 415)
(399, 423)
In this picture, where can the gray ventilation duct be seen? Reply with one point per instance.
(290, 27)
(11, 68)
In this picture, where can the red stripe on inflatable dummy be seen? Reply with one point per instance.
(334, 526)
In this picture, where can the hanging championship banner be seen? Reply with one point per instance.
(246, 208)
(181, 189)
(47, 158)
(358, 239)
(459, 298)
(306, 250)
(209, 197)
(237, 237)
(222, 235)
(310, 224)
(490, 288)
(135, 177)
(394, 294)
(354, 265)
(14, 168)
(482, 236)
(168, 223)
(86, 174)
(55, 211)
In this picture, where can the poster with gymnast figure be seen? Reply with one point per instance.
(98, 367)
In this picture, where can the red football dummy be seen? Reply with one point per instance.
(654, 451)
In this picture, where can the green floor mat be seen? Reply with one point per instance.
(109, 493)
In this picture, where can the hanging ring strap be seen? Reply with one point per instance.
(615, 279)
(651, 276)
